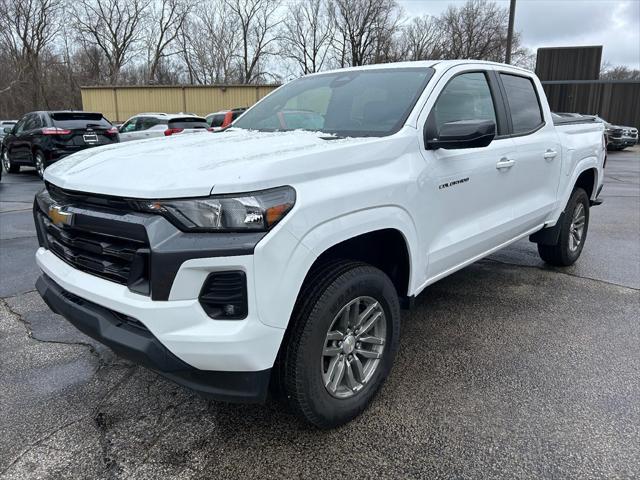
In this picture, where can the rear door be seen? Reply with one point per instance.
(535, 176)
(466, 210)
(150, 127)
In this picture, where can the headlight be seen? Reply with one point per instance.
(255, 211)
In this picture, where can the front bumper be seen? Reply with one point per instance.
(623, 141)
(181, 325)
(132, 340)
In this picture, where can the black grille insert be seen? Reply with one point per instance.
(102, 255)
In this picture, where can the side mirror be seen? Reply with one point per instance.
(463, 134)
(7, 129)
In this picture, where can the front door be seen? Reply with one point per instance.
(466, 210)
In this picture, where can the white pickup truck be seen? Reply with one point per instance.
(278, 253)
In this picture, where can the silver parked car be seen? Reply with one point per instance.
(150, 125)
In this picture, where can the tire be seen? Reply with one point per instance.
(9, 167)
(318, 342)
(39, 162)
(571, 239)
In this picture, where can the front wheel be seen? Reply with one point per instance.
(9, 167)
(342, 343)
(573, 232)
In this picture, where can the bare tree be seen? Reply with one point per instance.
(421, 39)
(476, 30)
(306, 35)
(363, 26)
(28, 28)
(257, 21)
(210, 45)
(618, 72)
(168, 19)
(114, 27)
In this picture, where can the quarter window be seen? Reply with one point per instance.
(523, 103)
(465, 97)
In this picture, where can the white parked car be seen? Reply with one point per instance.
(270, 254)
(150, 125)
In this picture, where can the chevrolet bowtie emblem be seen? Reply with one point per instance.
(58, 216)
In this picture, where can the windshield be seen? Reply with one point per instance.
(357, 103)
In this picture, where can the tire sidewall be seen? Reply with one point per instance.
(578, 196)
(37, 154)
(362, 281)
(6, 162)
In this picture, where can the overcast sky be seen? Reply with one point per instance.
(614, 24)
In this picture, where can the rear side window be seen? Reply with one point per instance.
(465, 97)
(145, 123)
(73, 120)
(523, 103)
(188, 122)
(217, 120)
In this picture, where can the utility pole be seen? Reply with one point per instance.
(512, 14)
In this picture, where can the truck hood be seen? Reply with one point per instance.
(197, 164)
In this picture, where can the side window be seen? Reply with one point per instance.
(145, 123)
(523, 103)
(30, 122)
(37, 122)
(217, 120)
(20, 126)
(466, 97)
(129, 126)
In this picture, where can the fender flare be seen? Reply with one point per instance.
(588, 163)
(282, 291)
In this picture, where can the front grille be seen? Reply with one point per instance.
(102, 255)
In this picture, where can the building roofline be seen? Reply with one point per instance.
(219, 85)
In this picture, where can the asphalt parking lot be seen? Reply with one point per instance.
(507, 369)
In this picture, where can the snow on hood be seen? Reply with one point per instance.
(191, 165)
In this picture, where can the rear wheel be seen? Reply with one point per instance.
(573, 232)
(343, 339)
(39, 162)
(8, 165)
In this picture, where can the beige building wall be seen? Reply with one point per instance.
(120, 103)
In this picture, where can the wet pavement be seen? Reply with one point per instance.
(507, 369)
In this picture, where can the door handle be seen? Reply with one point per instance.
(505, 163)
(550, 154)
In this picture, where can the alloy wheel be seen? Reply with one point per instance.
(576, 230)
(6, 162)
(353, 347)
(40, 165)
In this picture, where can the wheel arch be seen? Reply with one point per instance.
(587, 179)
(284, 263)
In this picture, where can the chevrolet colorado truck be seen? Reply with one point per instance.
(271, 258)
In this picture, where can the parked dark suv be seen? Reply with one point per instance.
(41, 138)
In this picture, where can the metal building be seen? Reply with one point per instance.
(120, 103)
